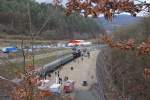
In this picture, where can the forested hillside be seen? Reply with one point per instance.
(122, 20)
(128, 67)
(15, 21)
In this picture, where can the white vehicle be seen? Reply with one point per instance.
(55, 88)
(78, 42)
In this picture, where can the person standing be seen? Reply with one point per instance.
(82, 56)
(45, 74)
(88, 53)
(66, 78)
(60, 80)
(71, 67)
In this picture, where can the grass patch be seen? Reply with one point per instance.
(8, 70)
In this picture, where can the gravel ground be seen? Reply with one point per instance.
(82, 71)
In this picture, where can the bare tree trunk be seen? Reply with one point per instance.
(24, 57)
(32, 36)
(32, 41)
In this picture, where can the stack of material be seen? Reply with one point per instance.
(55, 88)
(44, 85)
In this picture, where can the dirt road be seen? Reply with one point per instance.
(82, 71)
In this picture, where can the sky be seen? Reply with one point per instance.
(40, 1)
(148, 1)
(48, 1)
(64, 1)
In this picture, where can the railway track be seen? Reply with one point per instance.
(50, 67)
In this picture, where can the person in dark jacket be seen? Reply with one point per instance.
(60, 80)
(88, 53)
(45, 74)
